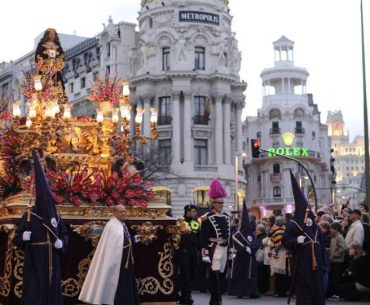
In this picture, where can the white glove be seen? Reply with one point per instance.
(300, 239)
(206, 259)
(58, 244)
(26, 235)
(249, 251)
(137, 238)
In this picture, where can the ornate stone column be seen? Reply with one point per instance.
(238, 124)
(176, 134)
(187, 126)
(218, 130)
(146, 120)
(227, 139)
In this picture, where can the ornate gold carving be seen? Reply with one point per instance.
(151, 285)
(147, 231)
(176, 231)
(17, 204)
(5, 280)
(91, 231)
(18, 272)
(70, 288)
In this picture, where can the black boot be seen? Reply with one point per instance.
(215, 288)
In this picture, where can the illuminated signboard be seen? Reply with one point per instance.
(288, 138)
(203, 17)
(287, 151)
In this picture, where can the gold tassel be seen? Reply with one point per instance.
(314, 261)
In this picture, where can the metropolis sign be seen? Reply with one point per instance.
(194, 16)
(287, 151)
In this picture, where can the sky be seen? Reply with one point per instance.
(326, 35)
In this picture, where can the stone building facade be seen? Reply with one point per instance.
(287, 123)
(349, 161)
(184, 60)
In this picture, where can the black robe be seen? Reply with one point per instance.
(308, 284)
(127, 292)
(243, 281)
(42, 286)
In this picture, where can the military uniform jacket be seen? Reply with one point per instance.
(215, 230)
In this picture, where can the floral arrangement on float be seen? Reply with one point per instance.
(106, 90)
(77, 183)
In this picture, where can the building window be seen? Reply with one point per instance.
(276, 191)
(275, 128)
(201, 115)
(164, 152)
(166, 59)
(164, 114)
(276, 168)
(200, 152)
(95, 76)
(226, 59)
(258, 135)
(200, 58)
(83, 82)
(71, 87)
(298, 127)
(276, 144)
(201, 198)
(107, 70)
(108, 49)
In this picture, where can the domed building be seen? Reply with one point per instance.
(186, 63)
(288, 123)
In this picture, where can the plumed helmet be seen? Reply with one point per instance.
(216, 190)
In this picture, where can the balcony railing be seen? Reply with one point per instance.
(200, 120)
(164, 120)
(205, 168)
(299, 131)
(273, 201)
(275, 130)
(275, 177)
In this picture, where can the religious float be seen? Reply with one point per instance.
(90, 169)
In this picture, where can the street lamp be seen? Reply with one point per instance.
(243, 154)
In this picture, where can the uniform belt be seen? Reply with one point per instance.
(219, 241)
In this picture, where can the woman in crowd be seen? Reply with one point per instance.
(337, 252)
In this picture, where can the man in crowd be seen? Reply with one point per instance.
(215, 237)
(303, 238)
(355, 232)
(111, 276)
(188, 254)
(42, 236)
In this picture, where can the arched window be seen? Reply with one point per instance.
(276, 191)
(201, 197)
(298, 113)
(276, 168)
(275, 114)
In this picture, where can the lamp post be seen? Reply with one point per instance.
(243, 154)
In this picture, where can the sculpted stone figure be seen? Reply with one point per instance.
(180, 49)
